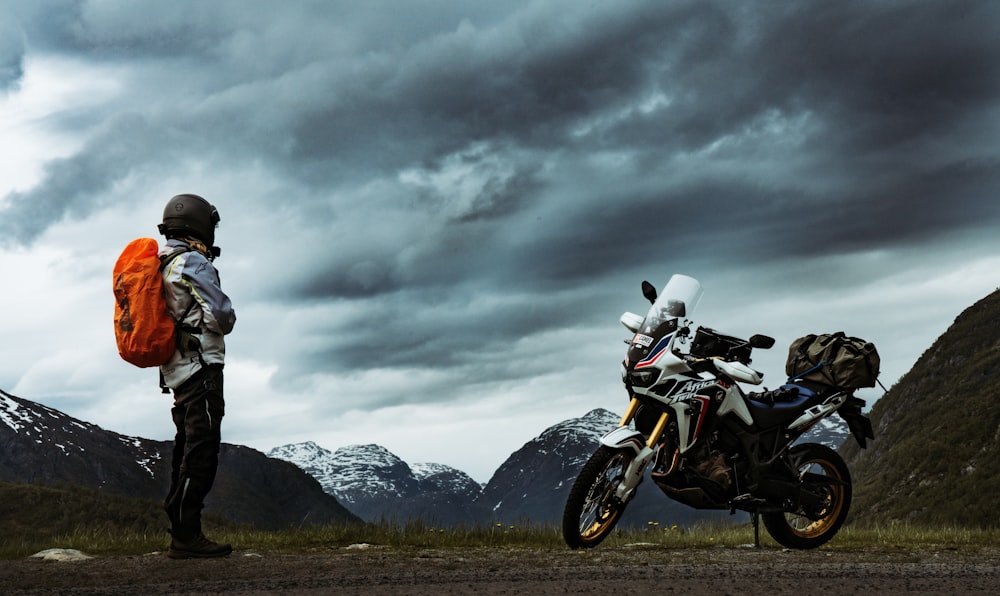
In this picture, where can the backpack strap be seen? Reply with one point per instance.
(169, 257)
(165, 260)
(181, 329)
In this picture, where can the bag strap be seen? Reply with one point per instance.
(169, 257)
(819, 366)
(833, 339)
(165, 260)
(800, 351)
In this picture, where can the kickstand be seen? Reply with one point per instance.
(755, 518)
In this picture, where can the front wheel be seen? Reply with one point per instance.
(592, 510)
(825, 476)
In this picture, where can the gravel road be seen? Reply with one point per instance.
(635, 569)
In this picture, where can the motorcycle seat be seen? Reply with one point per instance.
(784, 404)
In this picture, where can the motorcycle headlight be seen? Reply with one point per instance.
(643, 378)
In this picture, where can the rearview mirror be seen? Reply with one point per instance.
(761, 341)
(649, 291)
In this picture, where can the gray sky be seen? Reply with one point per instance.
(433, 213)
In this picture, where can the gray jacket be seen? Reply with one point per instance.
(191, 285)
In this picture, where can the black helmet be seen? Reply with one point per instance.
(190, 215)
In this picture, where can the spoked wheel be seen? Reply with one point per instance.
(592, 509)
(823, 472)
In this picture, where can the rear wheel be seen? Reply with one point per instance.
(823, 473)
(592, 510)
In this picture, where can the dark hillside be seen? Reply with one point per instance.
(936, 454)
(33, 514)
(40, 445)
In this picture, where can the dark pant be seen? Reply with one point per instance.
(197, 413)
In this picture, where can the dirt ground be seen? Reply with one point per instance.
(635, 569)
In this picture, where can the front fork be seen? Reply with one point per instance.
(643, 447)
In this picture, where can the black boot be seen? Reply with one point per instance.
(196, 547)
(189, 542)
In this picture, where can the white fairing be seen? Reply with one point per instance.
(734, 403)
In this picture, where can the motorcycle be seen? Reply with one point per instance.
(709, 445)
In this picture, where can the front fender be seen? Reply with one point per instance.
(624, 437)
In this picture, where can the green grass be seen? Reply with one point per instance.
(34, 518)
(914, 536)
(415, 534)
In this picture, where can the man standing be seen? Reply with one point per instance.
(204, 315)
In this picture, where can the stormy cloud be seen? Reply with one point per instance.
(444, 207)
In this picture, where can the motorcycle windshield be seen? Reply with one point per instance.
(679, 298)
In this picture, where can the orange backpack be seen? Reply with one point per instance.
(144, 330)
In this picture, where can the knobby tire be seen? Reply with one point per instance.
(592, 511)
(801, 532)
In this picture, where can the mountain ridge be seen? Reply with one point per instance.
(41, 445)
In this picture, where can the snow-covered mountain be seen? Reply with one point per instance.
(531, 484)
(45, 446)
(446, 479)
(373, 483)
(354, 473)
